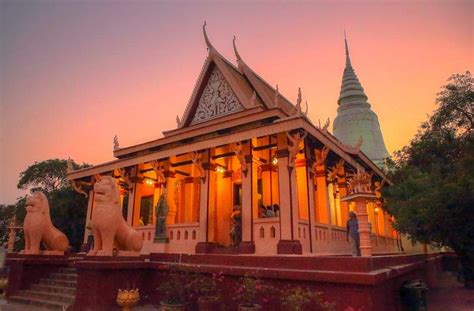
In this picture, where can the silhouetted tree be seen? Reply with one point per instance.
(432, 196)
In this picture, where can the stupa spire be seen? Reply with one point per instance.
(355, 119)
(348, 59)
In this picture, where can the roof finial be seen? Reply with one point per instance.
(348, 59)
(239, 59)
(208, 43)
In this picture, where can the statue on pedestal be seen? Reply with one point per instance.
(108, 225)
(39, 229)
(161, 217)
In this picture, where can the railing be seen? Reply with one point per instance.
(266, 234)
(183, 233)
(303, 235)
(330, 240)
(148, 234)
(182, 238)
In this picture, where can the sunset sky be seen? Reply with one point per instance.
(75, 73)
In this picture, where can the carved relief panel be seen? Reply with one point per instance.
(216, 100)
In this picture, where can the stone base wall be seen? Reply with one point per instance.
(369, 283)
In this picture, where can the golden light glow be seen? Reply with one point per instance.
(220, 169)
(148, 182)
(274, 161)
(376, 210)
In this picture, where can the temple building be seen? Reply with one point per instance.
(356, 123)
(246, 172)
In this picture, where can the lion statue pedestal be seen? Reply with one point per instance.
(108, 225)
(39, 228)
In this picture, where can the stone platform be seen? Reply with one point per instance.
(371, 283)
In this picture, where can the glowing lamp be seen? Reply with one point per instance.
(148, 182)
(274, 161)
(376, 210)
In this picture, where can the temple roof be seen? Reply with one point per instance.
(250, 89)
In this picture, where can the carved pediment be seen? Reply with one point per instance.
(217, 99)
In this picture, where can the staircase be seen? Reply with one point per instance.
(57, 292)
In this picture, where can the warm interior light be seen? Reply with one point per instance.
(148, 182)
(376, 210)
(274, 161)
(220, 169)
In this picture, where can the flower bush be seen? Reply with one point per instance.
(175, 287)
(206, 286)
(251, 291)
(296, 298)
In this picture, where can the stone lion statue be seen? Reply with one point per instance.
(39, 228)
(108, 225)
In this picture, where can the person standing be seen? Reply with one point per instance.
(353, 233)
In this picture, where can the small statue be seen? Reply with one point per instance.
(237, 148)
(39, 229)
(236, 226)
(295, 147)
(161, 217)
(108, 225)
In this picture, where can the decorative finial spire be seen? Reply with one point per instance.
(348, 59)
(206, 38)
(178, 121)
(239, 59)
(116, 143)
(277, 94)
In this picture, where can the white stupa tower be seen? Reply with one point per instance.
(356, 119)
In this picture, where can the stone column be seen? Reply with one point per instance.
(324, 213)
(364, 230)
(131, 195)
(247, 245)
(288, 201)
(342, 188)
(204, 197)
(311, 210)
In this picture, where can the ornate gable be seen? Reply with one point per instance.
(217, 99)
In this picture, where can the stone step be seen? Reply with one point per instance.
(63, 276)
(16, 306)
(70, 284)
(62, 298)
(68, 270)
(54, 289)
(49, 305)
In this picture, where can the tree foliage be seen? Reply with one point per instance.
(46, 176)
(67, 208)
(432, 196)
